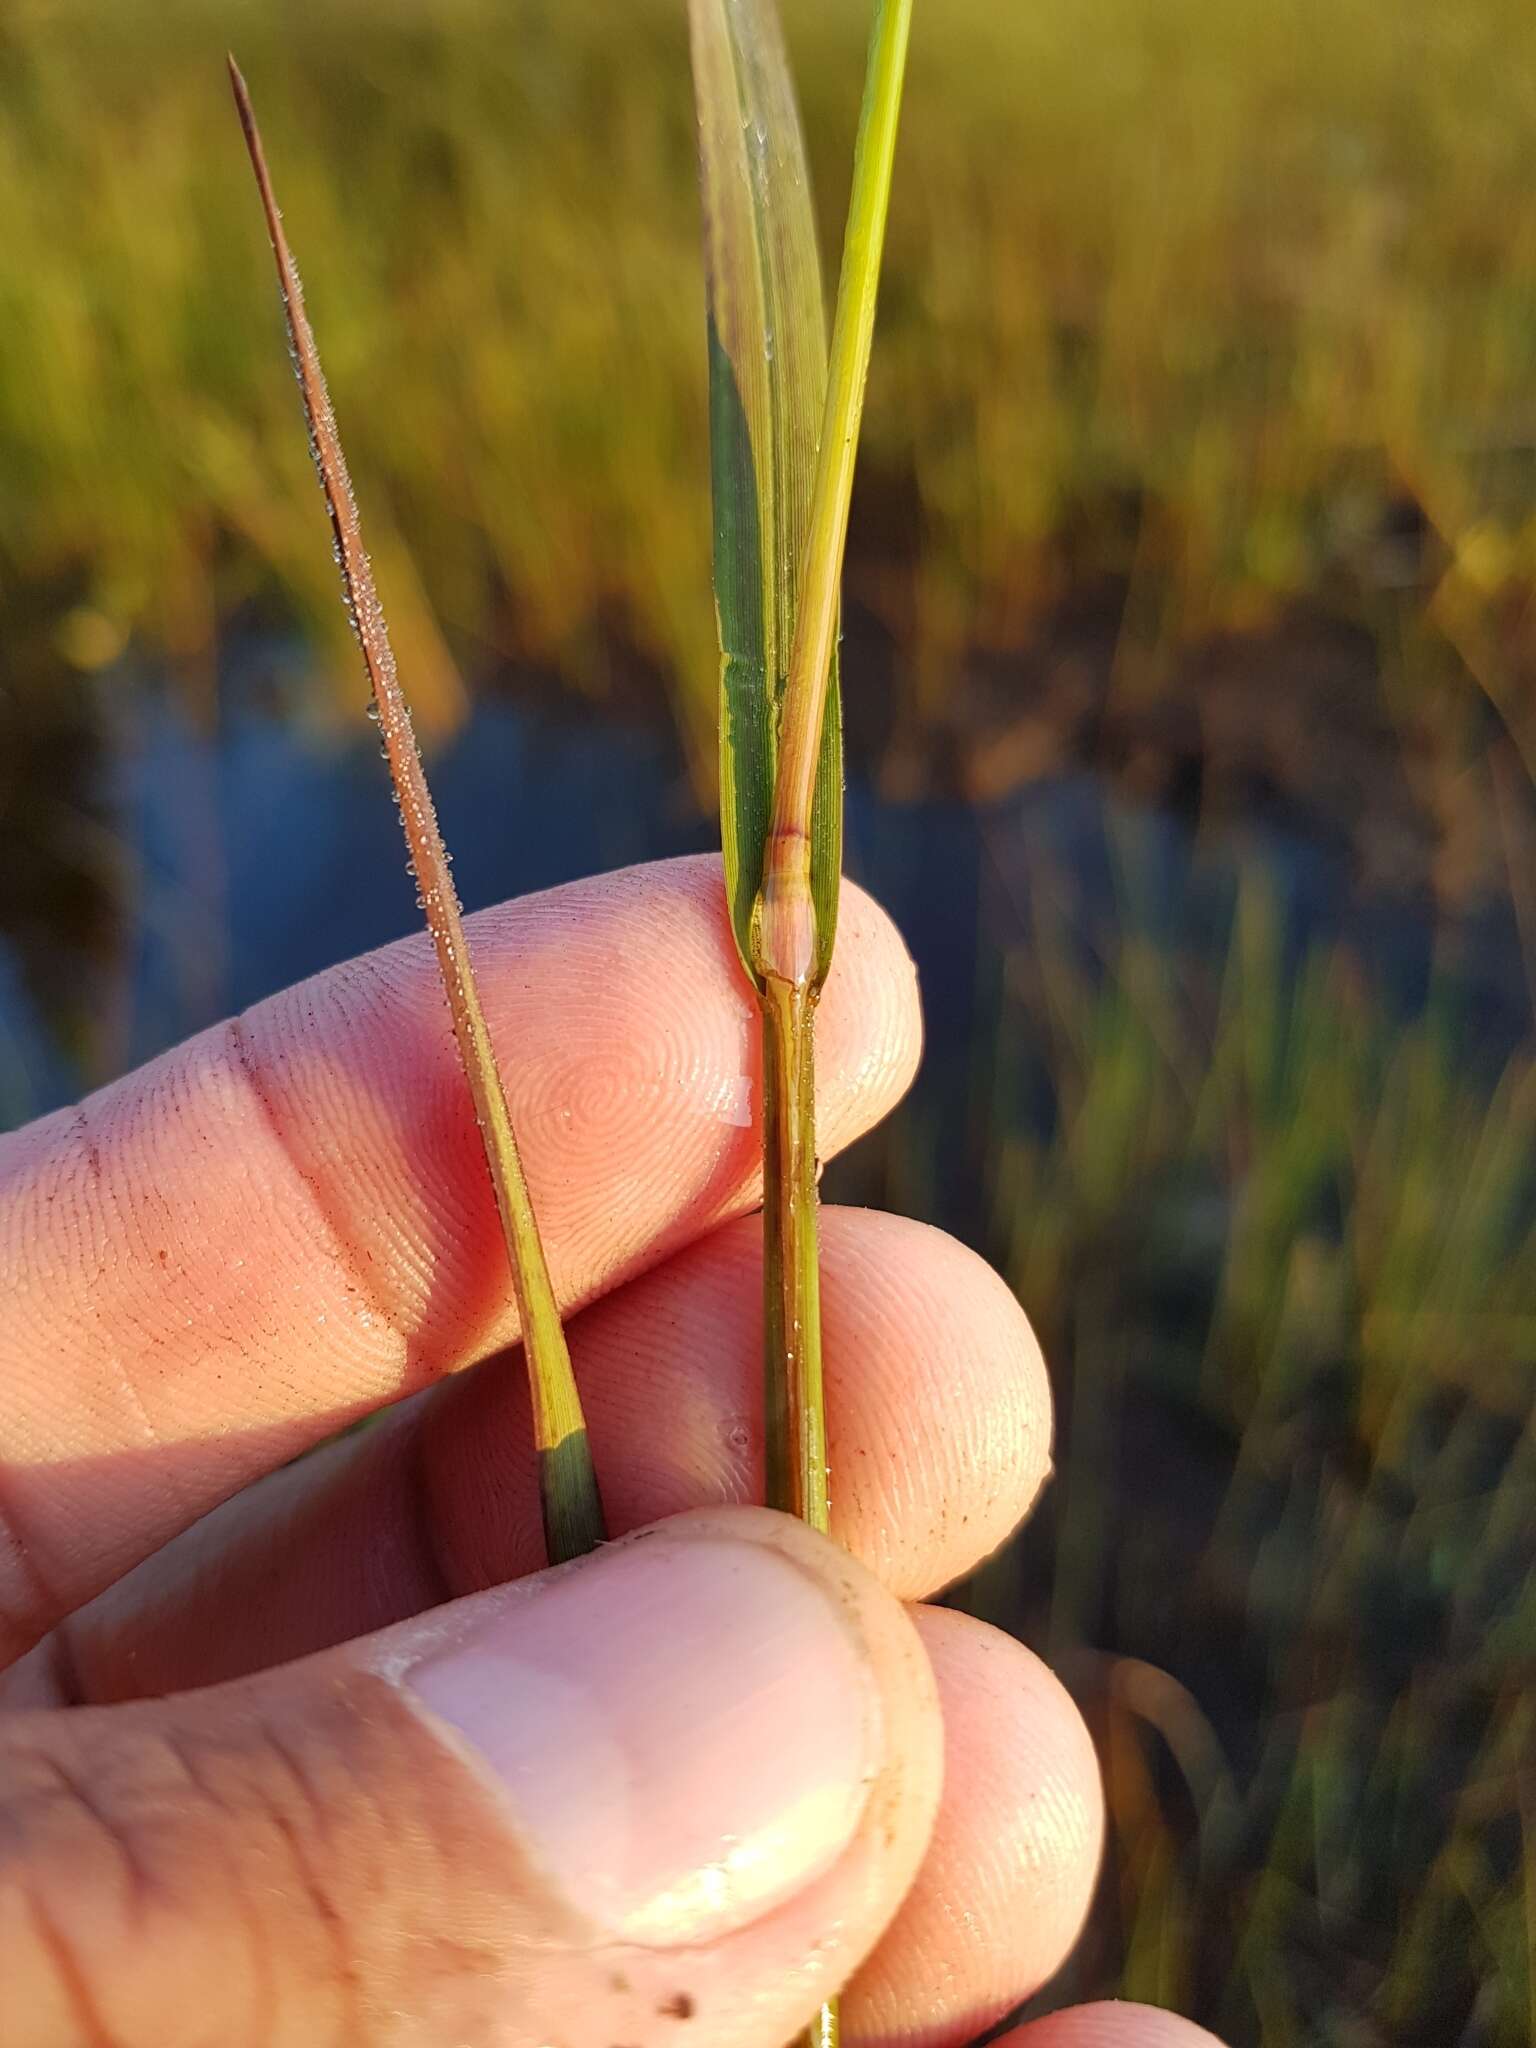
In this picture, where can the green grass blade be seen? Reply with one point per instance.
(572, 1511)
(789, 875)
(767, 382)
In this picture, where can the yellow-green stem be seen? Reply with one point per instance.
(797, 1472)
(796, 1425)
(823, 2032)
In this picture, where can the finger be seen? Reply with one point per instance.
(1110, 2025)
(1009, 1875)
(287, 1222)
(671, 1793)
(938, 1416)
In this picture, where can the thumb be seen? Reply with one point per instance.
(688, 1778)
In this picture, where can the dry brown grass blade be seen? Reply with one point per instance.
(572, 1511)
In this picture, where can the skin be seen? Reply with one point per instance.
(233, 1802)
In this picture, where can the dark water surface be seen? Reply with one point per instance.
(261, 854)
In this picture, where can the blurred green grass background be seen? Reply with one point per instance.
(1241, 275)
(1200, 458)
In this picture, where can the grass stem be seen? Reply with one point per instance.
(796, 1422)
(788, 942)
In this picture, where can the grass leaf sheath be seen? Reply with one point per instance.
(572, 1511)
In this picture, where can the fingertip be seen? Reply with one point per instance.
(938, 1417)
(287, 1222)
(1007, 1882)
(684, 1731)
(689, 1777)
(939, 1402)
(1110, 2023)
(716, 1746)
(869, 1030)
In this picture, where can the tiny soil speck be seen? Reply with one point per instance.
(680, 2006)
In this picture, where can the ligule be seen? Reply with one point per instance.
(572, 1510)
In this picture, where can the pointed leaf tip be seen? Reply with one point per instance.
(572, 1508)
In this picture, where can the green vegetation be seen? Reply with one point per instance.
(1283, 1255)
(1189, 292)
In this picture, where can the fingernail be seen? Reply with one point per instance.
(685, 1731)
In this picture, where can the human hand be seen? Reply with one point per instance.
(313, 1752)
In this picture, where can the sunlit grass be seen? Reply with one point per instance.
(1193, 293)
